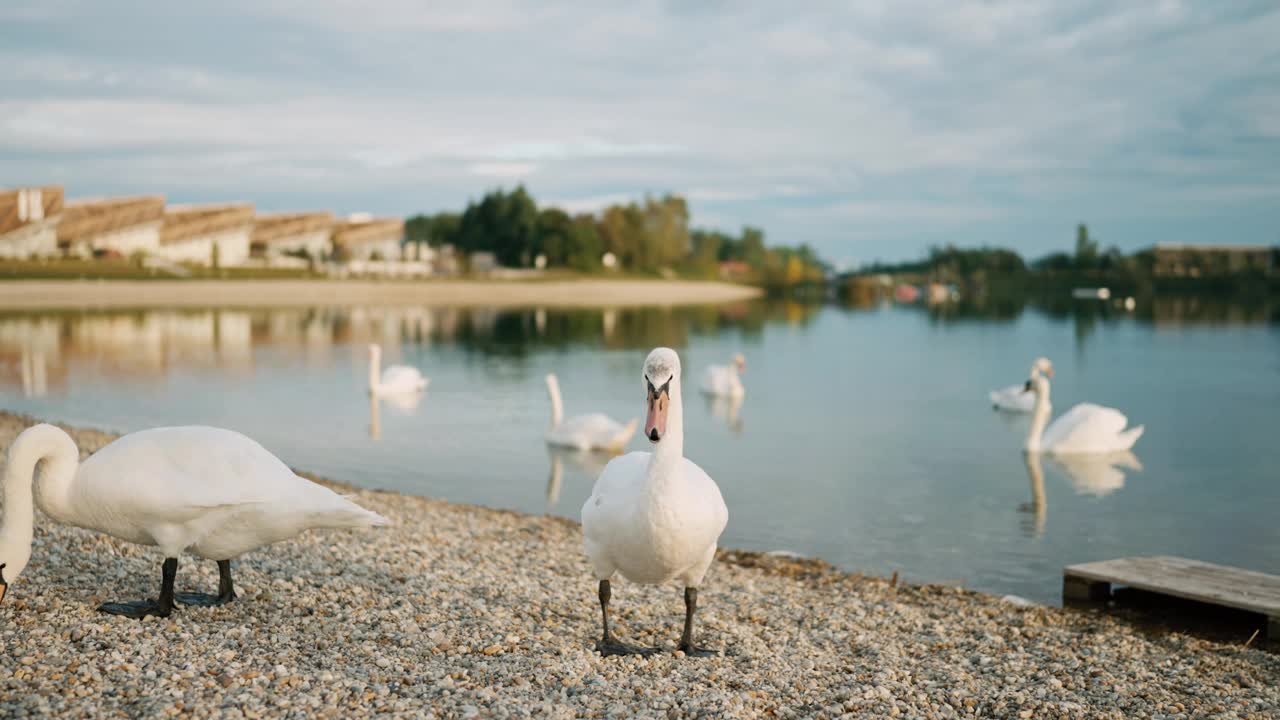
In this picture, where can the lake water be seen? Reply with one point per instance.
(865, 438)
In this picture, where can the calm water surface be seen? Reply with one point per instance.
(865, 437)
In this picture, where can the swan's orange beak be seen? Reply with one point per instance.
(655, 421)
(1049, 371)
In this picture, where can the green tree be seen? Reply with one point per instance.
(503, 223)
(1086, 248)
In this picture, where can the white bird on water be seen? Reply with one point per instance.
(654, 517)
(1085, 428)
(724, 380)
(396, 379)
(211, 492)
(592, 431)
(1015, 398)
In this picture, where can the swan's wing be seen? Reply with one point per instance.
(1014, 397)
(617, 482)
(706, 495)
(402, 376)
(595, 430)
(713, 378)
(181, 472)
(1085, 427)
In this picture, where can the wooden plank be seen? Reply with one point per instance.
(1189, 579)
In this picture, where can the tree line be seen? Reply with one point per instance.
(653, 235)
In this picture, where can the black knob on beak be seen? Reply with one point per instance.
(653, 435)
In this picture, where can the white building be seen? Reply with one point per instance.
(369, 239)
(206, 234)
(280, 234)
(28, 222)
(122, 225)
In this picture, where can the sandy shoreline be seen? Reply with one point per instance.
(55, 294)
(463, 611)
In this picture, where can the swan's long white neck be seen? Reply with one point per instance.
(375, 367)
(669, 451)
(557, 407)
(55, 447)
(1039, 416)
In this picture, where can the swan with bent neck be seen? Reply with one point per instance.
(396, 379)
(1085, 428)
(212, 492)
(654, 517)
(1014, 398)
(591, 431)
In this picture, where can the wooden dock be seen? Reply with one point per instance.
(1189, 579)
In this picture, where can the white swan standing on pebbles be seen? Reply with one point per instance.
(724, 380)
(212, 492)
(654, 517)
(1085, 428)
(1015, 398)
(595, 431)
(394, 380)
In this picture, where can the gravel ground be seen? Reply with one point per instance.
(461, 611)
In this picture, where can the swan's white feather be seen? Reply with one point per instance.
(722, 380)
(591, 432)
(206, 490)
(1013, 399)
(1089, 428)
(653, 536)
(401, 378)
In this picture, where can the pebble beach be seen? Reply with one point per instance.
(460, 611)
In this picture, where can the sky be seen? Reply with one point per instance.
(870, 130)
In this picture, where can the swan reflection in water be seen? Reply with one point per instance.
(585, 462)
(1093, 474)
(405, 404)
(725, 408)
(35, 381)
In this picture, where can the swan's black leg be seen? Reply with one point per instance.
(226, 591)
(609, 645)
(686, 640)
(142, 608)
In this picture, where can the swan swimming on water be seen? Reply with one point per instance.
(594, 431)
(1085, 428)
(1015, 398)
(654, 517)
(396, 379)
(724, 380)
(212, 492)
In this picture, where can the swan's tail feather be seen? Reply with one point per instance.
(355, 516)
(1129, 437)
(623, 436)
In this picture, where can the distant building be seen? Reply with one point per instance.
(206, 234)
(29, 220)
(365, 238)
(292, 233)
(483, 262)
(119, 225)
(1177, 260)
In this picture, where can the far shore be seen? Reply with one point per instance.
(61, 294)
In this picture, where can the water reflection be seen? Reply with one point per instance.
(584, 462)
(725, 408)
(1097, 475)
(403, 404)
(1038, 508)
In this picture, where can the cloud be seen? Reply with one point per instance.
(867, 129)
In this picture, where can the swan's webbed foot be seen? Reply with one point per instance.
(613, 646)
(203, 599)
(142, 608)
(691, 650)
(137, 609)
(226, 591)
